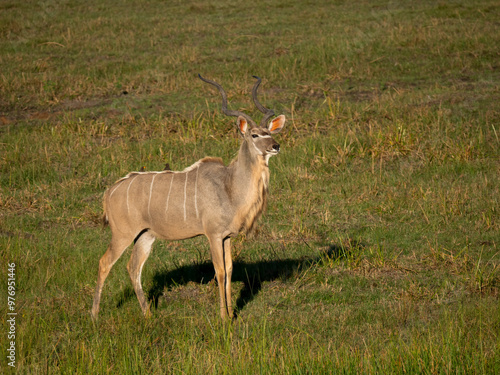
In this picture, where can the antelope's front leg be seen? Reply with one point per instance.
(223, 264)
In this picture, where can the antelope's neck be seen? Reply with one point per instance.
(249, 186)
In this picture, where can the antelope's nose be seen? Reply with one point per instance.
(276, 147)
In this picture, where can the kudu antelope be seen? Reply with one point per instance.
(206, 198)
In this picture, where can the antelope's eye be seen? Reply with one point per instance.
(255, 135)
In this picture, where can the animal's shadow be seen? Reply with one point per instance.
(251, 274)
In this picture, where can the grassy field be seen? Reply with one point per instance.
(379, 250)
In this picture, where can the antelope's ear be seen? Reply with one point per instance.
(277, 124)
(242, 124)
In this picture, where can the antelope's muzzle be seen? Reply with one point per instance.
(275, 148)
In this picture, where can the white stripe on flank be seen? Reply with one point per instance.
(129, 185)
(150, 194)
(185, 196)
(115, 189)
(191, 167)
(196, 192)
(169, 190)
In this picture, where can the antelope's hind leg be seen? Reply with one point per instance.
(115, 249)
(140, 254)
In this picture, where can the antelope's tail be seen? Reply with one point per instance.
(105, 221)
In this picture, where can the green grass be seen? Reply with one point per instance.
(379, 251)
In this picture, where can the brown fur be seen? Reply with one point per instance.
(211, 159)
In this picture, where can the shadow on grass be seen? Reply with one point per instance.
(251, 274)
